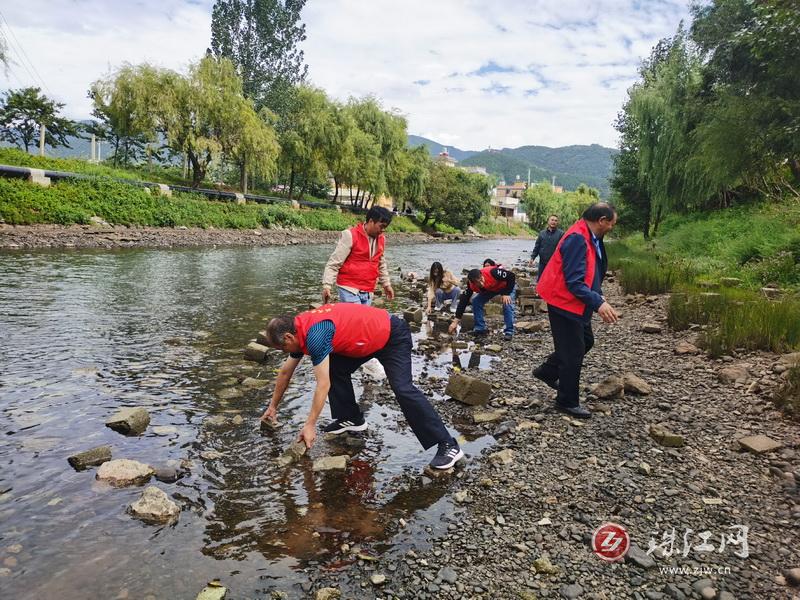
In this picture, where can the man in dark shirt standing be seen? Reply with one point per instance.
(546, 244)
(571, 286)
(487, 283)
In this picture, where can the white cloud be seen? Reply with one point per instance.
(558, 69)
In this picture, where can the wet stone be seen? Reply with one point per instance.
(255, 352)
(154, 506)
(129, 421)
(123, 472)
(331, 463)
(292, 454)
(468, 390)
(212, 592)
(90, 458)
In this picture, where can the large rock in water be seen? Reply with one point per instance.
(213, 591)
(331, 463)
(154, 506)
(123, 472)
(292, 454)
(468, 390)
(255, 352)
(129, 421)
(90, 458)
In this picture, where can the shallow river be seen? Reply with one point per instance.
(83, 333)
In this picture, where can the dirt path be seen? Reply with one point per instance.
(568, 477)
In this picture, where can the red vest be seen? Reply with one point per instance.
(359, 270)
(490, 284)
(552, 286)
(360, 330)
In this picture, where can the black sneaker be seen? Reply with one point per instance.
(448, 454)
(478, 333)
(508, 336)
(340, 426)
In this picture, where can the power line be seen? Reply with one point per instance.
(25, 54)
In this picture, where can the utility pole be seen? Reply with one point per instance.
(529, 177)
(93, 151)
(42, 134)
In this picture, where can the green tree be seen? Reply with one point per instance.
(454, 197)
(23, 111)
(123, 107)
(261, 38)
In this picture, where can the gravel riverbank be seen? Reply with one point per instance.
(523, 529)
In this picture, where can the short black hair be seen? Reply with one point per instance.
(278, 327)
(379, 214)
(598, 210)
(489, 263)
(474, 275)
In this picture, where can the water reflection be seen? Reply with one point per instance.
(85, 333)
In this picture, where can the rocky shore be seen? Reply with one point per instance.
(678, 459)
(119, 236)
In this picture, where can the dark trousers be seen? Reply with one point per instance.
(572, 340)
(542, 265)
(395, 357)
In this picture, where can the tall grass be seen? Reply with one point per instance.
(737, 319)
(644, 272)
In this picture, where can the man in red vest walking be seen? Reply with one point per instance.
(339, 338)
(487, 283)
(358, 261)
(571, 286)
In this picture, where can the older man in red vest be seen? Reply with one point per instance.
(571, 286)
(339, 338)
(358, 261)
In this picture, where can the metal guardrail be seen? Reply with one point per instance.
(28, 172)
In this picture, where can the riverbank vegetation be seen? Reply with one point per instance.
(709, 175)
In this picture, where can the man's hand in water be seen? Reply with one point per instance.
(308, 434)
(271, 414)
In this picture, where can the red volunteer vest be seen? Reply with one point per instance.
(552, 286)
(359, 270)
(490, 284)
(360, 330)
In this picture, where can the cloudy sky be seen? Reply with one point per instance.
(467, 73)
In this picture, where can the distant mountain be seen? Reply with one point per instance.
(435, 147)
(571, 165)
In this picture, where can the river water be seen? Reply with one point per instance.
(83, 333)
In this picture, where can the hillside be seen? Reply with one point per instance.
(571, 165)
(434, 148)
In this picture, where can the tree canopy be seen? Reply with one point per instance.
(23, 111)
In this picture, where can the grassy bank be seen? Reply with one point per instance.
(69, 202)
(715, 265)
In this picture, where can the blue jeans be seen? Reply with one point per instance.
(441, 295)
(395, 357)
(359, 298)
(478, 302)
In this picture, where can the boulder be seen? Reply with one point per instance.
(467, 322)
(414, 315)
(123, 472)
(468, 390)
(651, 328)
(636, 385)
(685, 347)
(611, 387)
(488, 416)
(733, 374)
(261, 338)
(154, 506)
(129, 421)
(331, 463)
(665, 437)
(256, 352)
(292, 454)
(213, 591)
(772, 293)
(90, 458)
(759, 444)
(504, 457)
(530, 326)
(792, 576)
